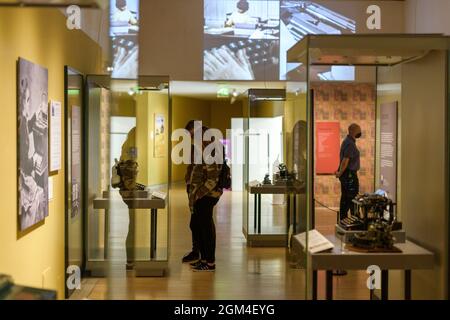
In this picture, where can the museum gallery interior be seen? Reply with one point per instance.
(224, 149)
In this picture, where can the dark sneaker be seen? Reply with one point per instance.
(204, 267)
(191, 257)
(130, 265)
(196, 263)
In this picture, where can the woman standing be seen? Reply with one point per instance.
(204, 193)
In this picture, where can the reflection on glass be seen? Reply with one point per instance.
(74, 177)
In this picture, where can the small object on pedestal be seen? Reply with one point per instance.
(267, 179)
(283, 170)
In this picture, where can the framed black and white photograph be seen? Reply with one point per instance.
(32, 143)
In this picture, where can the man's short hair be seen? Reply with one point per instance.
(243, 5)
(121, 3)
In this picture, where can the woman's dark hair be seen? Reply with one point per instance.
(121, 3)
(190, 125)
(243, 5)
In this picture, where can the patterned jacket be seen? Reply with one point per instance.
(202, 180)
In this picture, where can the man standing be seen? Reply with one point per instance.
(348, 170)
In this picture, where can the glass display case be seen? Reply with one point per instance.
(74, 168)
(390, 243)
(275, 166)
(128, 175)
(275, 170)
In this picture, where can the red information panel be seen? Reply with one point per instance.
(327, 147)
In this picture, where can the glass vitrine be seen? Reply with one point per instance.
(384, 81)
(74, 213)
(275, 145)
(276, 170)
(128, 175)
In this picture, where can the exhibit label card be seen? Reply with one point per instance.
(76, 161)
(55, 136)
(159, 194)
(388, 149)
(316, 241)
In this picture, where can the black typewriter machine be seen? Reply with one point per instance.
(377, 217)
(370, 208)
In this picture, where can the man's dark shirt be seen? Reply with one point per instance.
(350, 151)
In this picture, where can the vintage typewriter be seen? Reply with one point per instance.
(370, 208)
(352, 223)
(375, 212)
(39, 127)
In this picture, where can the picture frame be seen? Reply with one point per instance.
(159, 132)
(32, 143)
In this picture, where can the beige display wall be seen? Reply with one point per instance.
(36, 257)
(427, 16)
(423, 167)
(421, 90)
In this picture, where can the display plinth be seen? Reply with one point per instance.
(151, 268)
(346, 235)
(411, 257)
(261, 239)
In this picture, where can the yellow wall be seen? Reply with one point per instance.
(183, 110)
(38, 35)
(214, 114)
(267, 109)
(123, 105)
(152, 170)
(222, 112)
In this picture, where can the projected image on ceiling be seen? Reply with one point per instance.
(249, 39)
(124, 29)
(299, 18)
(241, 39)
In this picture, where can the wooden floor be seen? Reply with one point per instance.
(242, 272)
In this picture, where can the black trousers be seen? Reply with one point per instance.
(203, 226)
(349, 190)
(195, 236)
